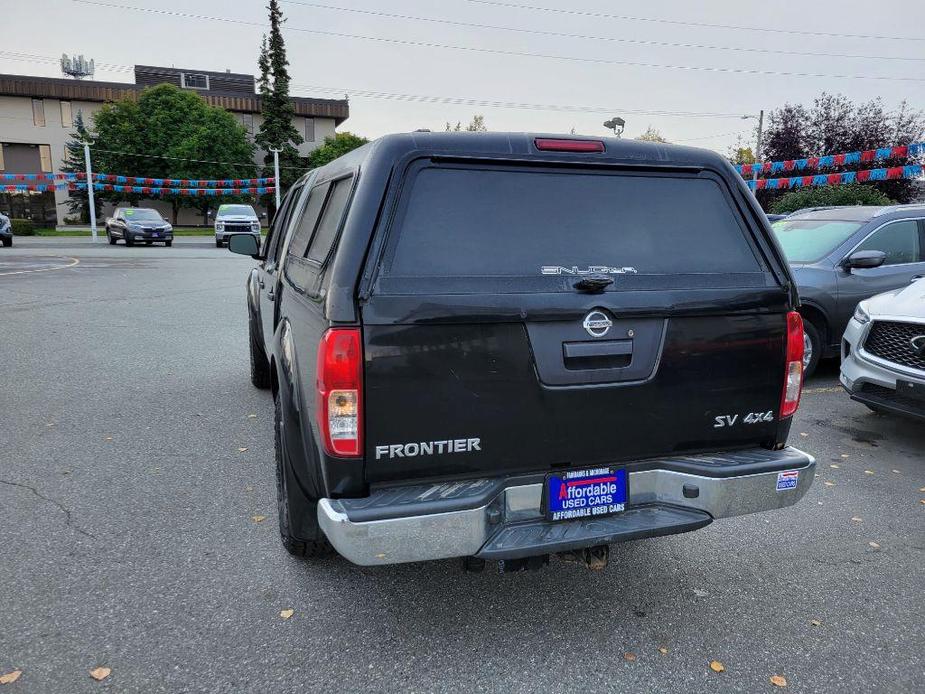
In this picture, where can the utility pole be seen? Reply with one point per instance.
(276, 174)
(758, 146)
(90, 200)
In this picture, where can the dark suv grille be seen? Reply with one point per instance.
(891, 340)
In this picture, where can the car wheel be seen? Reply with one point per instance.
(260, 365)
(168, 243)
(148, 243)
(128, 240)
(812, 348)
(218, 243)
(110, 238)
(7, 242)
(289, 493)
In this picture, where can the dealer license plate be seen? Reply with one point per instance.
(590, 493)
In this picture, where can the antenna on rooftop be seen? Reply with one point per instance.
(77, 66)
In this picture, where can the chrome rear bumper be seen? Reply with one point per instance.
(499, 519)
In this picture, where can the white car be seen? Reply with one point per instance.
(235, 219)
(883, 352)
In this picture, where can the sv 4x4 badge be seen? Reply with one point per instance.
(728, 420)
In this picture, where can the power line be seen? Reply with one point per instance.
(457, 100)
(587, 37)
(195, 161)
(703, 25)
(519, 54)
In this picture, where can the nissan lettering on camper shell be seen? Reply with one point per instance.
(507, 346)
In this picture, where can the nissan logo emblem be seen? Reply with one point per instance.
(597, 324)
(917, 342)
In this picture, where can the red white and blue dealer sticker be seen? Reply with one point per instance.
(787, 480)
(585, 493)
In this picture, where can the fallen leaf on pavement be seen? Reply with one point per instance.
(874, 545)
(829, 484)
(286, 614)
(815, 622)
(717, 666)
(856, 519)
(778, 681)
(922, 501)
(663, 650)
(108, 438)
(10, 677)
(629, 657)
(835, 466)
(252, 416)
(248, 488)
(803, 433)
(241, 450)
(922, 489)
(844, 455)
(896, 472)
(868, 472)
(100, 673)
(258, 518)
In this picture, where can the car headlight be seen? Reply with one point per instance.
(219, 226)
(861, 315)
(255, 226)
(134, 227)
(168, 228)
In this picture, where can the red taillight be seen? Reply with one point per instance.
(339, 385)
(793, 371)
(551, 144)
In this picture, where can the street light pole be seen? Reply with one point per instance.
(758, 145)
(90, 201)
(276, 174)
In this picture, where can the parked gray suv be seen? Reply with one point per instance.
(843, 255)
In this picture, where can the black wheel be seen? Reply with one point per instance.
(218, 243)
(812, 348)
(110, 238)
(7, 242)
(168, 243)
(292, 503)
(148, 243)
(260, 365)
(128, 240)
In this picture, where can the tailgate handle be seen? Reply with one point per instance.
(586, 350)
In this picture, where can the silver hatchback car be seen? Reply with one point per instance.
(883, 352)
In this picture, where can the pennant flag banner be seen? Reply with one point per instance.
(188, 192)
(180, 182)
(830, 160)
(35, 178)
(24, 187)
(891, 174)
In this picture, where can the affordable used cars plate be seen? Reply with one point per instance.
(588, 493)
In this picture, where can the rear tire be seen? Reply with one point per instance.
(813, 343)
(260, 365)
(218, 244)
(305, 548)
(148, 243)
(129, 241)
(7, 242)
(168, 243)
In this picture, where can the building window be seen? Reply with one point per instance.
(247, 120)
(309, 129)
(45, 157)
(38, 113)
(190, 80)
(67, 119)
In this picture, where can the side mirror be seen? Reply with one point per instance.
(864, 259)
(244, 244)
(263, 215)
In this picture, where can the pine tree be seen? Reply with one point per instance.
(78, 201)
(277, 130)
(263, 64)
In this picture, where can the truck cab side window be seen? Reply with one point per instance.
(309, 220)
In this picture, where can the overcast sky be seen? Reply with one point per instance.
(226, 35)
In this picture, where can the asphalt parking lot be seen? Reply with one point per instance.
(138, 531)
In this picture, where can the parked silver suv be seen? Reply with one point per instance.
(883, 352)
(235, 219)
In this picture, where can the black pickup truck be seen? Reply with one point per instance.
(506, 346)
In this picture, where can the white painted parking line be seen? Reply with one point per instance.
(41, 266)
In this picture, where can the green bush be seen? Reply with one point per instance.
(22, 227)
(851, 194)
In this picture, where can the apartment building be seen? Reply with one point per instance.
(37, 116)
